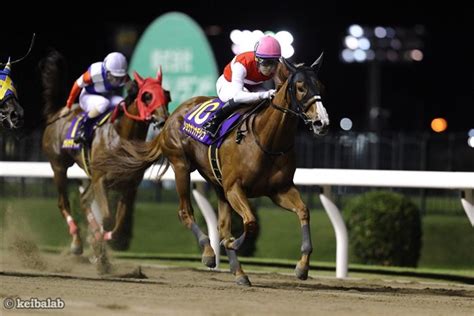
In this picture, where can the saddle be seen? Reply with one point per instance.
(76, 123)
(197, 117)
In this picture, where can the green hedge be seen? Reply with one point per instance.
(384, 229)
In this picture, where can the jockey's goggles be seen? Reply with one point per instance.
(267, 62)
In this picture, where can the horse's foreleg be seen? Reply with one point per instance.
(60, 179)
(226, 237)
(186, 214)
(96, 192)
(291, 200)
(240, 203)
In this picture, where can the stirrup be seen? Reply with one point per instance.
(80, 137)
(211, 128)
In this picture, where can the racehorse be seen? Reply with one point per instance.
(262, 163)
(11, 112)
(146, 102)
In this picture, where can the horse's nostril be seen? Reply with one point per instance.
(6, 124)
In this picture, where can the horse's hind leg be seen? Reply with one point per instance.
(186, 213)
(121, 234)
(226, 236)
(290, 199)
(60, 179)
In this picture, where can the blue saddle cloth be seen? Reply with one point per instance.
(76, 123)
(195, 119)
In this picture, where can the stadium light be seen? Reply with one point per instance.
(470, 139)
(439, 125)
(377, 45)
(346, 124)
(243, 41)
(382, 43)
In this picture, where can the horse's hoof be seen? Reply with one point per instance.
(243, 280)
(252, 227)
(209, 262)
(301, 273)
(77, 249)
(103, 265)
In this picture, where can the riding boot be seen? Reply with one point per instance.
(81, 134)
(212, 125)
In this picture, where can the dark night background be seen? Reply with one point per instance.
(440, 85)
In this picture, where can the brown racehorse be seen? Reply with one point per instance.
(146, 102)
(262, 164)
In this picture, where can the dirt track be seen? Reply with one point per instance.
(187, 291)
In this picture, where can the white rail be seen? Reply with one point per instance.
(463, 181)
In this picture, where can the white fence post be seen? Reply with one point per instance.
(210, 216)
(342, 242)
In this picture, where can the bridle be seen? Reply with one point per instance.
(297, 107)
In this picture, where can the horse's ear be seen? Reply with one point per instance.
(138, 78)
(317, 64)
(288, 64)
(159, 75)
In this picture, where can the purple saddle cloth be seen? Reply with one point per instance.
(195, 119)
(76, 122)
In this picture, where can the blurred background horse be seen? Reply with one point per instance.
(146, 103)
(11, 112)
(257, 159)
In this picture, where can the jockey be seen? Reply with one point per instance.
(100, 86)
(243, 78)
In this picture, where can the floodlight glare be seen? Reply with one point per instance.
(470, 141)
(346, 124)
(243, 41)
(380, 32)
(439, 125)
(387, 43)
(356, 30)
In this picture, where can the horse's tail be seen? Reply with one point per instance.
(127, 158)
(54, 81)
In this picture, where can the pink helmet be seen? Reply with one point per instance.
(268, 47)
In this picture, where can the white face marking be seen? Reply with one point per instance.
(322, 113)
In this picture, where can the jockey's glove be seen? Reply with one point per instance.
(267, 94)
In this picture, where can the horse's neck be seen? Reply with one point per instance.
(276, 130)
(129, 128)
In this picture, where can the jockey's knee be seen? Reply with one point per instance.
(102, 106)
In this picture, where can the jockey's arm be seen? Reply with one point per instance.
(241, 95)
(83, 81)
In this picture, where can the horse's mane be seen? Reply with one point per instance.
(132, 91)
(281, 75)
(54, 78)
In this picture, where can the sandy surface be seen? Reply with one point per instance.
(135, 287)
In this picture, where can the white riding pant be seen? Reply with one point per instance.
(226, 90)
(101, 103)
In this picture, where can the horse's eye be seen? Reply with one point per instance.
(146, 97)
